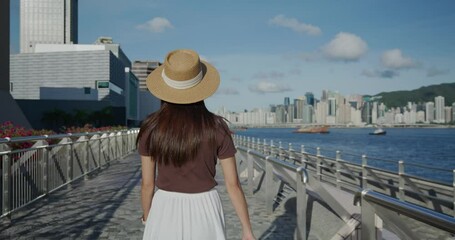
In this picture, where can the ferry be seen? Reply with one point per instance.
(312, 129)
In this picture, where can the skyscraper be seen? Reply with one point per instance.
(439, 103)
(47, 21)
(309, 98)
(429, 112)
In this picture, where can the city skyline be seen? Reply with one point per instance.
(268, 50)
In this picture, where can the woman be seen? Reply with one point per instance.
(179, 146)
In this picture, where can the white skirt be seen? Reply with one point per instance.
(185, 216)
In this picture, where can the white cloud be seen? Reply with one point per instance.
(345, 47)
(227, 91)
(295, 25)
(434, 71)
(380, 73)
(268, 87)
(156, 25)
(394, 59)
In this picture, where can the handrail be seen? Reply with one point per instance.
(421, 214)
(28, 174)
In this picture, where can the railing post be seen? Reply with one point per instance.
(44, 169)
(265, 147)
(250, 171)
(69, 166)
(272, 149)
(6, 173)
(368, 223)
(99, 150)
(301, 179)
(318, 163)
(280, 151)
(364, 172)
(268, 185)
(338, 168)
(401, 193)
(453, 189)
(303, 156)
(87, 156)
(291, 153)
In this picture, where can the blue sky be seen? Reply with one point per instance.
(267, 50)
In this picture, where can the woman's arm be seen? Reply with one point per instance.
(236, 195)
(148, 184)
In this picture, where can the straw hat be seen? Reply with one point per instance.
(183, 78)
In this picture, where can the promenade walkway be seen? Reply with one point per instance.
(107, 206)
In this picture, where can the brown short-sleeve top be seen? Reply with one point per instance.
(198, 175)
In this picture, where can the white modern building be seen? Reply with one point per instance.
(89, 77)
(439, 103)
(47, 21)
(429, 112)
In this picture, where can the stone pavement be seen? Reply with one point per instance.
(107, 206)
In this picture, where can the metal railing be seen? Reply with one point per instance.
(377, 204)
(344, 176)
(51, 162)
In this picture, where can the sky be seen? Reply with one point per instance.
(266, 50)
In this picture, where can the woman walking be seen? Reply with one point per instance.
(179, 147)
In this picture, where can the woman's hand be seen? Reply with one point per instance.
(248, 236)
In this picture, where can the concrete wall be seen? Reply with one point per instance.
(33, 74)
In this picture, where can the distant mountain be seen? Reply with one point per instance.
(423, 94)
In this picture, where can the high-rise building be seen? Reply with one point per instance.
(142, 69)
(453, 112)
(332, 106)
(448, 114)
(47, 21)
(309, 98)
(287, 101)
(429, 112)
(439, 103)
(298, 107)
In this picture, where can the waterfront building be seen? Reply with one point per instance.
(299, 103)
(47, 21)
(280, 114)
(356, 116)
(321, 112)
(439, 103)
(72, 76)
(290, 113)
(332, 106)
(429, 112)
(374, 113)
(287, 101)
(448, 114)
(307, 114)
(399, 118)
(420, 117)
(309, 98)
(453, 112)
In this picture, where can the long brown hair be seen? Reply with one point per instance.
(174, 133)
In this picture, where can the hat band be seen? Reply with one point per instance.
(182, 84)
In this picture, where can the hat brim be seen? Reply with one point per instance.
(204, 89)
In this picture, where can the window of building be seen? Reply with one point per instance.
(102, 84)
(87, 90)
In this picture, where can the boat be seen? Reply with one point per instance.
(378, 131)
(312, 129)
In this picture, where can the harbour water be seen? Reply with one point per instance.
(427, 152)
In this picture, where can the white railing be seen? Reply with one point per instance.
(325, 175)
(28, 174)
